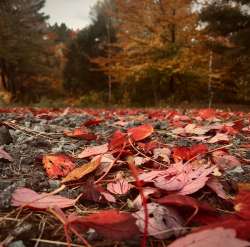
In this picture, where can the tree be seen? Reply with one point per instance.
(24, 50)
(227, 23)
(157, 44)
(91, 42)
(60, 33)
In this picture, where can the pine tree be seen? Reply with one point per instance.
(227, 24)
(24, 51)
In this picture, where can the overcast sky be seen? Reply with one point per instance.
(75, 13)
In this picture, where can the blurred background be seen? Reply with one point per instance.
(124, 53)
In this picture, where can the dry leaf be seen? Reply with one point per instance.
(82, 171)
(25, 197)
(212, 237)
(92, 151)
(163, 222)
(57, 165)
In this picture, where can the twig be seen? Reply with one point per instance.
(144, 155)
(211, 151)
(111, 165)
(143, 198)
(41, 233)
(58, 243)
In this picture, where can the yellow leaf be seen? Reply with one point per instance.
(81, 171)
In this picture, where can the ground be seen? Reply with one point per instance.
(202, 155)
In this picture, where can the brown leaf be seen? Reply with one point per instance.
(81, 171)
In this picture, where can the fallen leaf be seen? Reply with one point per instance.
(172, 183)
(93, 151)
(118, 140)
(185, 201)
(225, 161)
(120, 187)
(24, 197)
(187, 153)
(186, 181)
(57, 165)
(110, 224)
(106, 161)
(81, 171)
(108, 197)
(196, 180)
(93, 122)
(163, 222)
(242, 204)
(214, 184)
(96, 193)
(82, 133)
(163, 153)
(4, 155)
(141, 132)
(219, 137)
(140, 160)
(207, 114)
(211, 237)
(137, 202)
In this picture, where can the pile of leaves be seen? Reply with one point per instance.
(143, 177)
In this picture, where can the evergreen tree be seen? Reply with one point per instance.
(24, 51)
(227, 24)
(62, 33)
(81, 74)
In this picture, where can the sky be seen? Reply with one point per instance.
(75, 13)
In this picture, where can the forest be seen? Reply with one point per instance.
(133, 53)
(132, 131)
